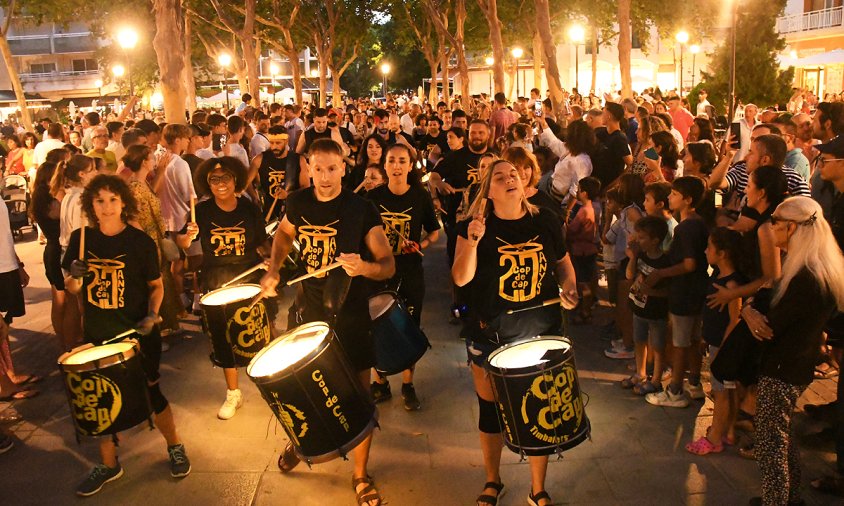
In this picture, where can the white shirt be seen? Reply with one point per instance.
(39, 154)
(568, 172)
(701, 107)
(406, 123)
(746, 130)
(258, 144)
(116, 148)
(8, 259)
(71, 215)
(204, 153)
(548, 139)
(175, 194)
(239, 152)
(678, 138)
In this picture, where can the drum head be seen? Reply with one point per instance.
(223, 296)
(380, 304)
(287, 350)
(528, 353)
(97, 353)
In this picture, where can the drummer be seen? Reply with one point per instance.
(406, 209)
(333, 224)
(230, 229)
(270, 167)
(505, 232)
(116, 251)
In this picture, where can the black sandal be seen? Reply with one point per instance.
(368, 493)
(533, 500)
(492, 500)
(288, 459)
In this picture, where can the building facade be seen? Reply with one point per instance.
(814, 32)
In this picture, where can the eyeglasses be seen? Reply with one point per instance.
(820, 161)
(222, 179)
(99, 136)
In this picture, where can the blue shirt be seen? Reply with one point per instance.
(798, 161)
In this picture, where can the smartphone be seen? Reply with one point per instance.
(735, 131)
(332, 124)
(651, 154)
(537, 108)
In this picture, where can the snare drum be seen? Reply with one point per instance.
(106, 387)
(237, 333)
(308, 383)
(399, 342)
(538, 395)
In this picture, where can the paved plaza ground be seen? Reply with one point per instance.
(429, 457)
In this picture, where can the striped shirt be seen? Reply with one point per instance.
(737, 181)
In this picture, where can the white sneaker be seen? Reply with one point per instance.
(617, 344)
(234, 400)
(668, 399)
(694, 391)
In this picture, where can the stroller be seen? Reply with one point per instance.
(15, 191)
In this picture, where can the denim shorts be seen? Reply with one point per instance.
(685, 329)
(650, 331)
(716, 385)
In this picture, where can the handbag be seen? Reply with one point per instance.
(740, 354)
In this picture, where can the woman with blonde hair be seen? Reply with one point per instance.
(525, 162)
(793, 333)
(502, 215)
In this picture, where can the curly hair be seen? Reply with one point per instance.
(113, 184)
(225, 163)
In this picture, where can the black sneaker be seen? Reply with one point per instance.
(179, 462)
(100, 475)
(380, 392)
(408, 393)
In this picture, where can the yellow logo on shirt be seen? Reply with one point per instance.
(319, 243)
(229, 240)
(527, 265)
(276, 179)
(397, 227)
(106, 290)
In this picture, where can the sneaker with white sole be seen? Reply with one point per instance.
(99, 476)
(617, 344)
(179, 462)
(234, 400)
(668, 399)
(621, 354)
(6, 444)
(695, 391)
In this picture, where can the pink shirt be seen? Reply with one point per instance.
(500, 121)
(683, 120)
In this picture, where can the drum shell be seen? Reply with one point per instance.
(540, 406)
(399, 342)
(320, 403)
(106, 396)
(236, 333)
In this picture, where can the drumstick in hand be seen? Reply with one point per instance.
(315, 273)
(549, 302)
(272, 206)
(193, 209)
(244, 274)
(403, 237)
(360, 186)
(82, 238)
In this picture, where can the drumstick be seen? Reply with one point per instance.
(244, 274)
(82, 239)
(549, 302)
(403, 237)
(272, 206)
(315, 273)
(359, 186)
(193, 209)
(481, 210)
(255, 301)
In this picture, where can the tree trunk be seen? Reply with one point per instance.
(462, 64)
(242, 84)
(625, 47)
(513, 77)
(594, 60)
(537, 62)
(336, 98)
(549, 55)
(250, 53)
(171, 64)
(432, 90)
(26, 118)
(190, 83)
(293, 58)
(490, 10)
(323, 78)
(444, 52)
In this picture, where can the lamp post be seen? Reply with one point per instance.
(225, 60)
(273, 73)
(128, 39)
(385, 69)
(99, 84)
(490, 61)
(682, 37)
(577, 35)
(118, 71)
(517, 53)
(694, 49)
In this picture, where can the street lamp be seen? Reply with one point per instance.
(385, 69)
(694, 49)
(517, 53)
(127, 38)
(273, 73)
(490, 61)
(225, 60)
(577, 35)
(682, 37)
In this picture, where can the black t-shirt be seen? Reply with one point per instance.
(428, 142)
(649, 306)
(715, 322)
(272, 175)
(542, 199)
(688, 291)
(611, 158)
(193, 162)
(324, 231)
(406, 214)
(459, 169)
(228, 238)
(515, 268)
(115, 292)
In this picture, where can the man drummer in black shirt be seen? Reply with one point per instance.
(335, 225)
(270, 167)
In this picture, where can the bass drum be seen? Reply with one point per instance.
(237, 333)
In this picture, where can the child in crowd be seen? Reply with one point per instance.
(656, 204)
(611, 236)
(723, 252)
(581, 233)
(689, 279)
(649, 304)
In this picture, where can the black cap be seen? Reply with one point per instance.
(834, 147)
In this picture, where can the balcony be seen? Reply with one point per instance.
(810, 21)
(59, 43)
(56, 76)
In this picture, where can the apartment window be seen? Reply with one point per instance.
(637, 42)
(42, 68)
(85, 65)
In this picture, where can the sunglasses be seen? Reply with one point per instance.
(222, 179)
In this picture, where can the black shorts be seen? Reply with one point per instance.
(53, 264)
(151, 354)
(11, 295)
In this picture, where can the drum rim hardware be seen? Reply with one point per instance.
(100, 363)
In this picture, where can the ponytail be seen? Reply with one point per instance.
(58, 181)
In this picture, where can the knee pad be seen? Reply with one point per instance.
(488, 419)
(159, 402)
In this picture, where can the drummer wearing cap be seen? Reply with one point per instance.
(230, 229)
(333, 224)
(119, 282)
(511, 255)
(270, 167)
